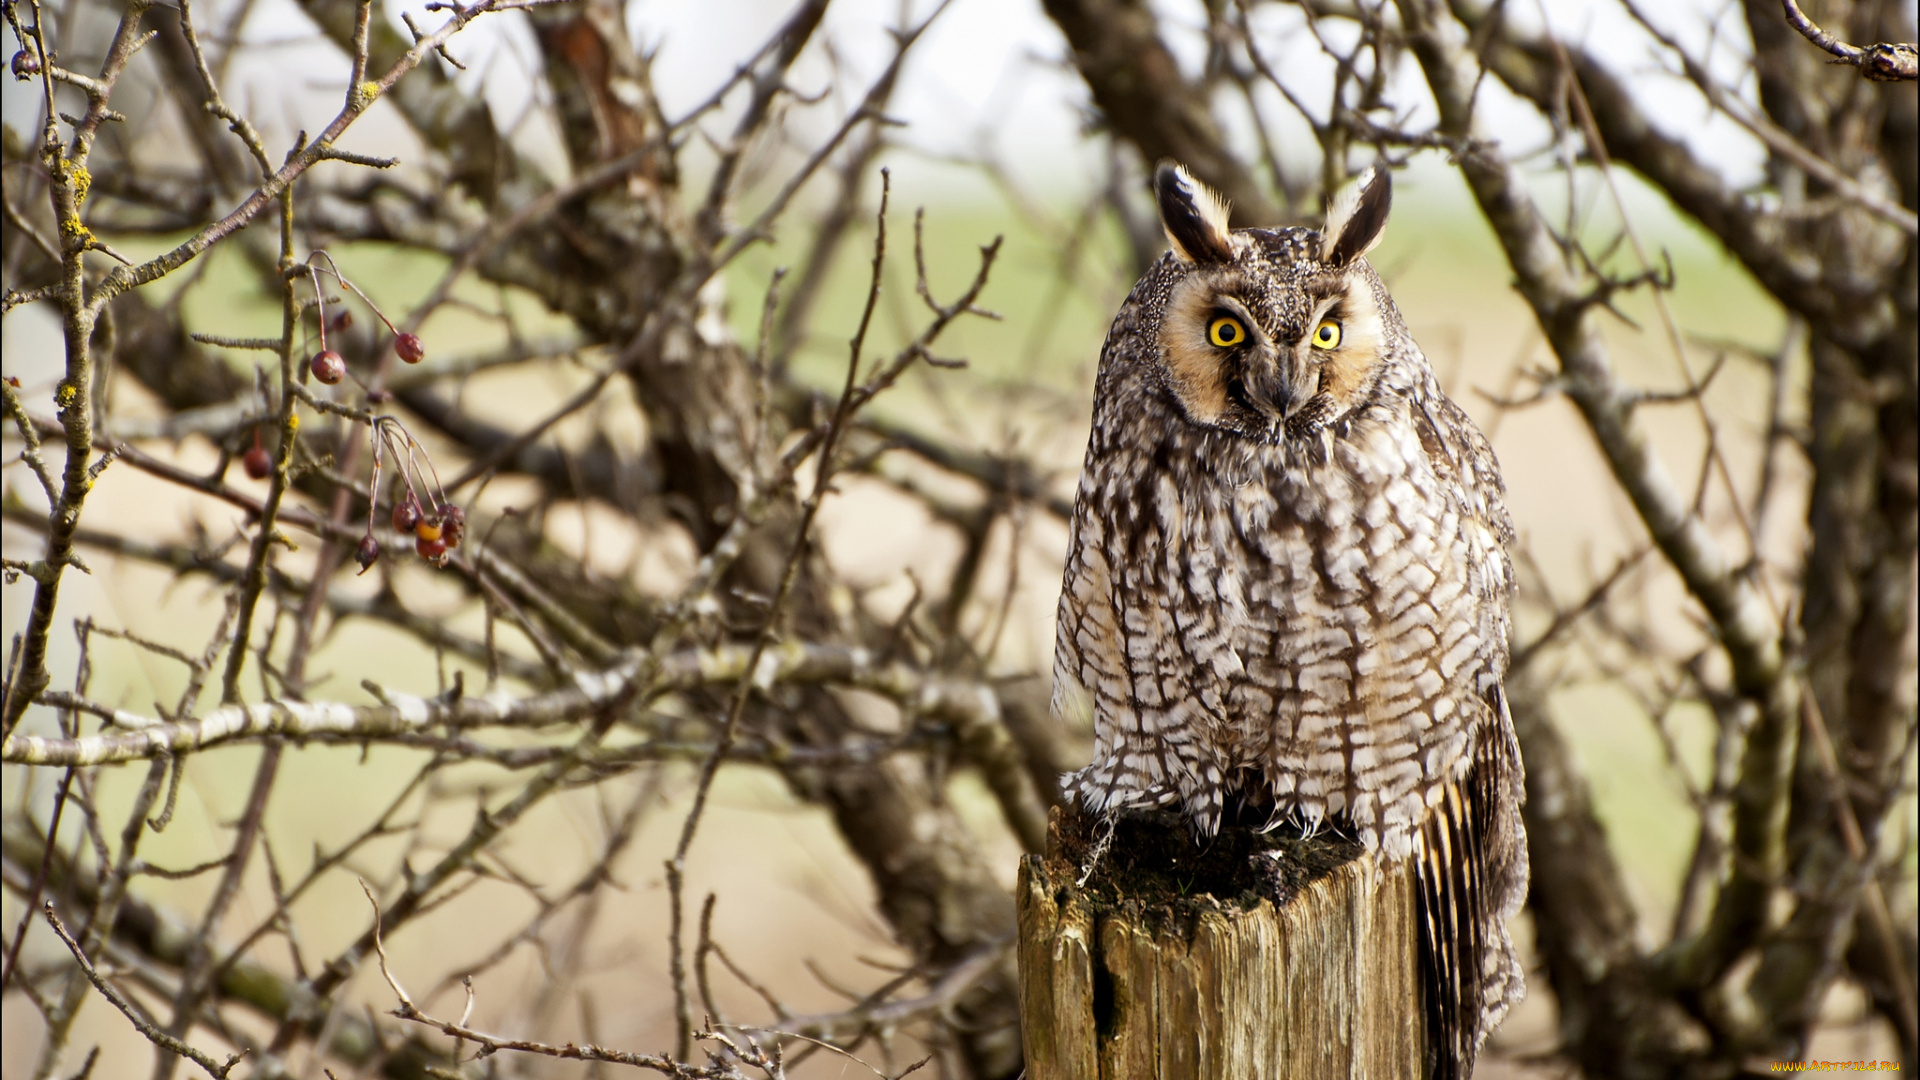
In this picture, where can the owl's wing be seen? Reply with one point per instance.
(1119, 640)
(1089, 658)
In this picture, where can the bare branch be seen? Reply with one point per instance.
(1881, 62)
(119, 1001)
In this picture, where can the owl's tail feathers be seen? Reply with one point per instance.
(1472, 867)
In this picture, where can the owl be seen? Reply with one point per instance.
(1287, 583)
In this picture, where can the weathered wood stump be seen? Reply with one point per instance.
(1259, 956)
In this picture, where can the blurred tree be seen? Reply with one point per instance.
(761, 654)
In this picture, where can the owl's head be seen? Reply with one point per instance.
(1274, 334)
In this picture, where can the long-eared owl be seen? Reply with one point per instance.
(1287, 583)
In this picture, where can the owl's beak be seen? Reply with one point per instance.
(1277, 384)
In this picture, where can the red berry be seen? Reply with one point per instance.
(406, 514)
(427, 530)
(432, 550)
(257, 462)
(340, 321)
(25, 64)
(453, 524)
(409, 348)
(367, 552)
(329, 367)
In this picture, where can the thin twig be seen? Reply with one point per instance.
(119, 1001)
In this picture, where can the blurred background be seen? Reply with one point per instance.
(581, 225)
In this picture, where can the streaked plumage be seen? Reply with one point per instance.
(1288, 581)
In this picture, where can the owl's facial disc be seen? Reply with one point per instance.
(1282, 378)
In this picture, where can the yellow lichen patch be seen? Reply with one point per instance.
(80, 180)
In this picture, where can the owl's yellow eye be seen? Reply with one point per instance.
(1226, 332)
(1327, 334)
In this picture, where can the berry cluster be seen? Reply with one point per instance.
(437, 525)
(433, 535)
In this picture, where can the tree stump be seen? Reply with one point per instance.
(1258, 956)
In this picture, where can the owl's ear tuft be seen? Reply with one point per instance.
(1357, 218)
(1194, 215)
